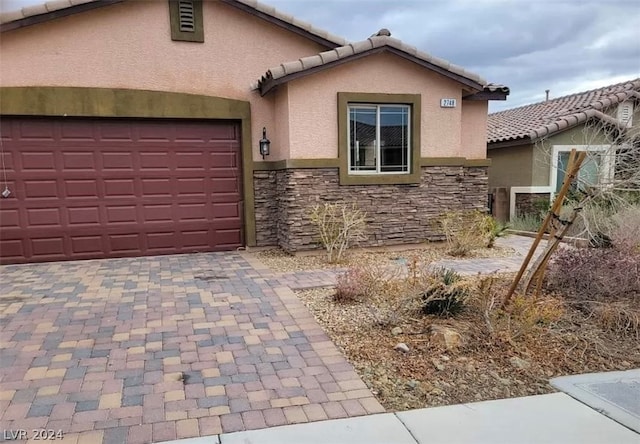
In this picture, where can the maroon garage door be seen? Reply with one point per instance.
(85, 188)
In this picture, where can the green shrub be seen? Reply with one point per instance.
(446, 295)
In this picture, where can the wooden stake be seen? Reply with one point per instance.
(572, 170)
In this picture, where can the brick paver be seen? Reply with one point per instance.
(159, 348)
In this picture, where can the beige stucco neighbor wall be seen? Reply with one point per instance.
(128, 45)
(474, 129)
(510, 167)
(313, 112)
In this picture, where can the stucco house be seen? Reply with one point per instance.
(529, 146)
(134, 128)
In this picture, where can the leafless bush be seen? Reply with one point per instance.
(625, 230)
(339, 226)
(618, 317)
(594, 274)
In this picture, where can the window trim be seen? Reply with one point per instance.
(345, 99)
(607, 168)
(197, 35)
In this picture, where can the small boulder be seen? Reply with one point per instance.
(401, 346)
(395, 331)
(519, 363)
(446, 337)
(437, 364)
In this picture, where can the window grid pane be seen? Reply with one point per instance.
(379, 139)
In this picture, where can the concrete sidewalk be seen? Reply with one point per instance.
(554, 418)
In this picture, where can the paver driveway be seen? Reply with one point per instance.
(158, 348)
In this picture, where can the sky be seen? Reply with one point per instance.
(565, 46)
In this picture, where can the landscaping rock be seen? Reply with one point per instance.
(519, 363)
(395, 331)
(446, 337)
(401, 346)
(437, 364)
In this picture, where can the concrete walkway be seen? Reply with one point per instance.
(554, 419)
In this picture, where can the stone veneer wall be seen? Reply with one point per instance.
(396, 214)
(532, 203)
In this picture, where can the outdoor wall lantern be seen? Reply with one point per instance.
(264, 143)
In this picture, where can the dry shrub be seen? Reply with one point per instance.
(618, 317)
(466, 231)
(596, 274)
(339, 226)
(388, 293)
(625, 233)
(524, 315)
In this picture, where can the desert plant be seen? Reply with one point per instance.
(357, 284)
(593, 274)
(526, 222)
(468, 230)
(625, 230)
(494, 229)
(446, 295)
(339, 226)
(525, 314)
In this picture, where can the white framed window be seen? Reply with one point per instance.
(379, 138)
(597, 169)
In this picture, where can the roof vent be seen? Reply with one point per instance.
(187, 16)
(384, 32)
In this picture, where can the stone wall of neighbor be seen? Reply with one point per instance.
(396, 214)
(532, 203)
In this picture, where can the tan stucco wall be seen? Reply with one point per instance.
(575, 136)
(282, 150)
(510, 167)
(313, 112)
(129, 45)
(474, 129)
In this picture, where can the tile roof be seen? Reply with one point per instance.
(379, 41)
(252, 5)
(544, 118)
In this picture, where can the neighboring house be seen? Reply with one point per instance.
(133, 128)
(529, 146)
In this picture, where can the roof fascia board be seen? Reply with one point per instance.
(270, 83)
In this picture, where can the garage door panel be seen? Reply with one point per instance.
(110, 188)
(12, 249)
(48, 246)
(228, 237)
(35, 130)
(156, 213)
(191, 161)
(44, 217)
(192, 212)
(191, 187)
(157, 187)
(81, 188)
(155, 160)
(83, 161)
(124, 242)
(41, 189)
(34, 160)
(87, 245)
(121, 214)
(119, 188)
(84, 216)
(117, 161)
